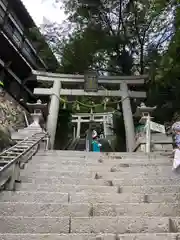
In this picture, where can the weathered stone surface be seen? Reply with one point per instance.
(67, 195)
(137, 209)
(11, 119)
(98, 168)
(66, 188)
(149, 189)
(134, 172)
(64, 180)
(20, 225)
(110, 163)
(11, 112)
(84, 210)
(155, 180)
(60, 237)
(59, 173)
(160, 236)
(126, 181)
(47, 197)
(77, 160)
(5, 138)
(43, 209)
(124, 198)
(120, 225)
(145, 172)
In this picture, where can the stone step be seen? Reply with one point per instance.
(64, 180)
(116, 198)
(88, 210)
(137, 209)
(160, 172)
(65, 188)
(139, 236)
(127, 180)
(149, 189)
(99, 163)
(100, 168)
(65, 168)
(124, 225)
(59, 173)
(102, 154)
(86, 197)
(142, 181)
(97, 157)
(130, 160)
(121, 225)
(23, 196)
(134, 173)
(84, 153)
(42, 209)
(44, 225)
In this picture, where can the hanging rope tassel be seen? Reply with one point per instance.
(64, 105)
(77, 107)
(118, 106)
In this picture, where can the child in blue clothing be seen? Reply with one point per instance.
(96, 146)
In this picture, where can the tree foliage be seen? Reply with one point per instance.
(43, 49)
(123, 37)
(116, 36)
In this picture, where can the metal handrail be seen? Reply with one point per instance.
(73, 144)
(25, 117)
(68, 144)
(21, 154)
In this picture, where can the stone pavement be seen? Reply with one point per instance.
(66, 195)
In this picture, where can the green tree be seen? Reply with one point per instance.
(43, 49)
(121, 30)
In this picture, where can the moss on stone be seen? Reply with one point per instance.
(5, 138)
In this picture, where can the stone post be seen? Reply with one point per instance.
(128, 118)
(74, 132)
(53, 112)
(104, 126)
(78, 127)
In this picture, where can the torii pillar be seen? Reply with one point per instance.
(128, 118)
(53, 112)
(78, 132)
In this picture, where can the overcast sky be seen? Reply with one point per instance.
(40, 9)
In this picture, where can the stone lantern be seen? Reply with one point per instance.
(145, 113)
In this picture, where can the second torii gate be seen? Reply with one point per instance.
(57, 90)
(104, 118)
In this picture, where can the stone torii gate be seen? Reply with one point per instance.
(105, 118)
(58, 80)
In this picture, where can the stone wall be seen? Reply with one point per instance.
(11, 118)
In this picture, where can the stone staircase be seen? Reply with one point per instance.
(66, 195)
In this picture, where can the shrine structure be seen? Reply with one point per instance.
(90, 85)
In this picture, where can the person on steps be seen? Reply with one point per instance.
(96, 146)
(176, 161)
